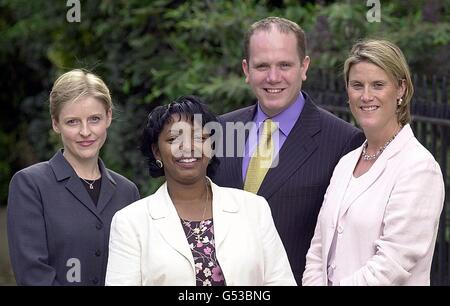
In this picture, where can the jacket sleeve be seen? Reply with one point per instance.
(410, 226)
(136, 195)
(27, 235)
(277, 270)
(124, 262)
(313, 274)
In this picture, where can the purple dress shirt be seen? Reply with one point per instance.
(286, 121)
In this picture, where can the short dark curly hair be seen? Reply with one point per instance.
(185, 105)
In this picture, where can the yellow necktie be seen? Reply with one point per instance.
(261, 159)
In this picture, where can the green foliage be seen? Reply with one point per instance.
(342, 24)
(149, 52)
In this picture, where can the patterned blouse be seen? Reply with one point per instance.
(200, 236)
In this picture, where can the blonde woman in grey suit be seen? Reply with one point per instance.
(59, 211)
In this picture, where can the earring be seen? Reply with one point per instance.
(348, 101)
(159, 163)
(399, 102)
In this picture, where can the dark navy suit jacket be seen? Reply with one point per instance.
(54, 228)
(296, 187)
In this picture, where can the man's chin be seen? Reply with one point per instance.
(274, 107)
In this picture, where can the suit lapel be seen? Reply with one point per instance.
(166, 219)
(371, 176)
(64, 170)
(108, 188)
(337, 194)
(236, 171)
(296, 150)
(79, 191)
(234, 164)
(363, 182)
(224, 211)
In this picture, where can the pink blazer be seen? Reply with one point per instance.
(386, 230)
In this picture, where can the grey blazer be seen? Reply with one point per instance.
(56, 234)
(295, 188)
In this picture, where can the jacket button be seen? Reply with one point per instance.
(98, 253)
(95, 280)
(340, 229)
(99, 226)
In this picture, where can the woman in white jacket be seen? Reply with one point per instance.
(191, 231)
(379, 219)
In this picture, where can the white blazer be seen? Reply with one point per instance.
(148, 245)
(386, 231)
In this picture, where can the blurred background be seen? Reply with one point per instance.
(150, 52)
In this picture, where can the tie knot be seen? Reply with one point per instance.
(268, 128)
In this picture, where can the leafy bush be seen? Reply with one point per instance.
(150, 52)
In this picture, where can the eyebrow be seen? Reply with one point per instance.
(77, 117)
(375, 81)
(174, 131)
(260, 64)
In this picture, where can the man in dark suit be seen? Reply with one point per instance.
(310, 140)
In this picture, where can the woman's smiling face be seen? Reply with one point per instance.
(184, 150)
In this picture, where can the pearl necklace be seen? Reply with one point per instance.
(368, 157)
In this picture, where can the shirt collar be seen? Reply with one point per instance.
(286, 119)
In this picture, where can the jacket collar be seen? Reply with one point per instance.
(162, 210)
(370, 177)
(64, 171)
(300, 142)
(235, 163)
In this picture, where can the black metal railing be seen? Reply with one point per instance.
(430, 109)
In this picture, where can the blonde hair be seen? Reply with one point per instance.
(390, 58)
(76, 84)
